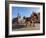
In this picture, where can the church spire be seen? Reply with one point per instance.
(18, 15)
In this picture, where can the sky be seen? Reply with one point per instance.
(24, 11)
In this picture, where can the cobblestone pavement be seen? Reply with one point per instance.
(22, 27)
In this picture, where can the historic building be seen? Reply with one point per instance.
(34, 18)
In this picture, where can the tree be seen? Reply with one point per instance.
(24, 17)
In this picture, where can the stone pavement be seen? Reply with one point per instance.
(22, 27)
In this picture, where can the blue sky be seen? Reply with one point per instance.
(24, 11)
